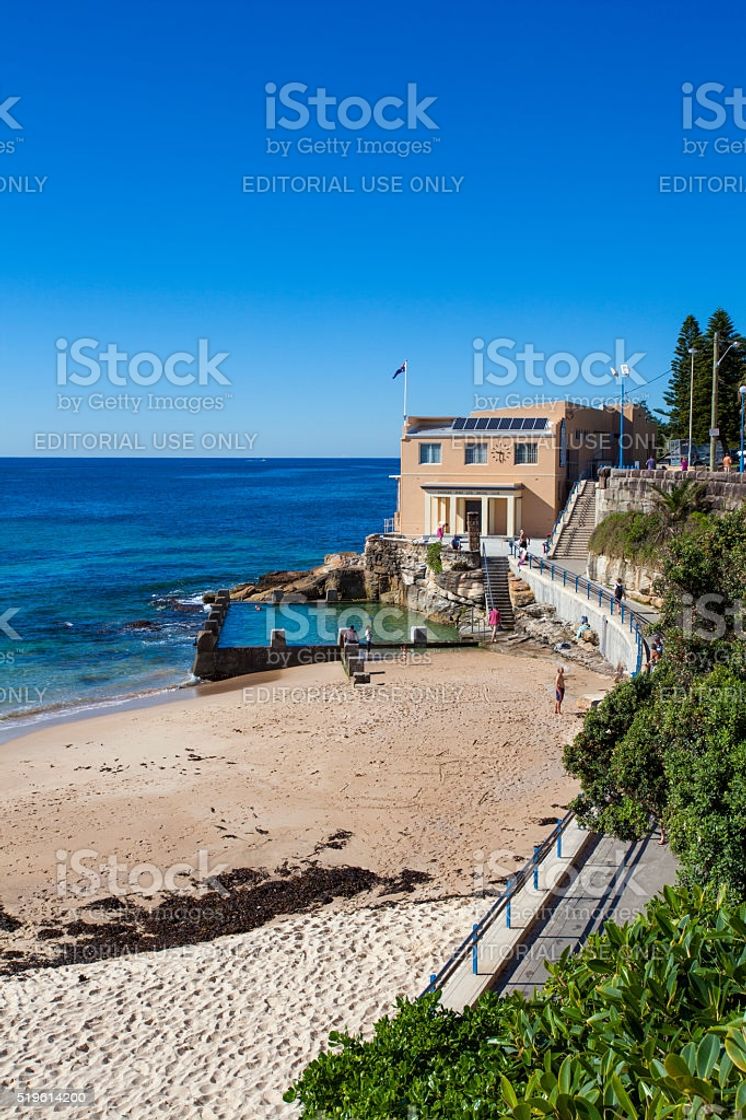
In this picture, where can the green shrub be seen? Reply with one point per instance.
(630, 536)
(646, 1021)
(434, 557)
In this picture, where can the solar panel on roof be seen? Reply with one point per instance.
(482, 422)
(459, 423)
(471, 423)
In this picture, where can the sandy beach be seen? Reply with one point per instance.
(379, 811)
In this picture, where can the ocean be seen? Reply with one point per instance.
(105, 561)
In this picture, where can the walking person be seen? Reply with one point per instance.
(559, 690)
(495, 621)
(650, 463)
(368, 639)
(619, 592)
(727, 462)
(439, 533)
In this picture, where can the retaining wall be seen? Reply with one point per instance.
(621, 491)
(617, 644)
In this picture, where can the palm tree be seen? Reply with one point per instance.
(678, 504)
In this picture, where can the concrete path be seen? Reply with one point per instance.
(615, 882)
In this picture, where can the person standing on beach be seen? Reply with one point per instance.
(559, 690)
(495, 621)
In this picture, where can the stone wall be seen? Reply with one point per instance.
(639, 581)
(220, 664)
(621, 491)
(396, 571)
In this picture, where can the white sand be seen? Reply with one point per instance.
(219, 1030)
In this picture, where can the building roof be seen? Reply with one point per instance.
(505, 425)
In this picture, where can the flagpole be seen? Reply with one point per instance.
(406, 370)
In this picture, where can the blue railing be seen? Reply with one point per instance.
(502, 905)
(636, 621)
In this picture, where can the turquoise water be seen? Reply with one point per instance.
(251, 624)
(104, 561)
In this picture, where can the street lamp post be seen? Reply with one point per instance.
(714, 397)
(692, 352)
(742, 394)
(621, 373)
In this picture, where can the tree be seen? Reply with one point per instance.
(677, 394)
(671, 745)
(678, 504)
(731, 374)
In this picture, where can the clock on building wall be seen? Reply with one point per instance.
(500, 452)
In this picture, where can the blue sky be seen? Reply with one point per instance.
(558, 120)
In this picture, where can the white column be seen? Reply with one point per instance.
(427, 529)
(510, 528)
(485, 522)
(452, 513)
(518, 512)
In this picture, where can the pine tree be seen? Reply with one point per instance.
(731, 374)
(677, 394)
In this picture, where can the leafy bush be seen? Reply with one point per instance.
(631, 536)
(434, 557)
(646, 1021)
(672, 745)
(654, 749)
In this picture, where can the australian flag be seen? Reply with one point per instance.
(402, 369)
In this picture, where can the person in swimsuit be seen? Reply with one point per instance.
(559, 690)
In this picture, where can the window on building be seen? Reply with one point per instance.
(526, 453)
(429, 452)
(475, 453)
(563, 444)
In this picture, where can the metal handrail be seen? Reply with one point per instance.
(515, 884)
(637, 621)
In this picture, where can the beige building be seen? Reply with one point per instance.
(512, 467)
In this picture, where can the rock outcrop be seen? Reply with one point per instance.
(397, 571)
(341, 572)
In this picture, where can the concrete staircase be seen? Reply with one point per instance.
(572, 543)
(496, 592)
